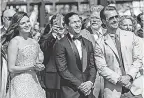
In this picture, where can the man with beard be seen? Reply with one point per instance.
(92, 33)
(118, 57)
(74, 57)
(50, 76)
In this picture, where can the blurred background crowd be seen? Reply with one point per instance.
(41, 11)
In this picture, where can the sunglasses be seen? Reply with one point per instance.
(9, 18)
(113, 17)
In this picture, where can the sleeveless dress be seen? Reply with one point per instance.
(26, 84)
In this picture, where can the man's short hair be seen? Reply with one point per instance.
(67, 16)
(107, 8)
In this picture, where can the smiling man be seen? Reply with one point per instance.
(118, 57)
(92, 33)
(75, 61)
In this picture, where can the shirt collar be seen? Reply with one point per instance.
(99, 32)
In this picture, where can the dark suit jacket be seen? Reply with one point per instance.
(67, 65)
(51, 77)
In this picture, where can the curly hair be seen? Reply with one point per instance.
(13, 31)
(134, 22)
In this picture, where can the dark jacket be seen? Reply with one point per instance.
(51, 77)
(71, 75)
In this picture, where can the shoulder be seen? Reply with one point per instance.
(14, 42)
(84, 31)
(87, 42)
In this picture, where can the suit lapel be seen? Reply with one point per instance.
(123, 38)
(84, 56)
(111, 44)
(75, 52)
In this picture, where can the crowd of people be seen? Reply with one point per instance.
(100, 56)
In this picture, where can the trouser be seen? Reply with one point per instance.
(53, 93)
(98, 91)
(126, 93)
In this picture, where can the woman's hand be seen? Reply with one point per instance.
(39, 67)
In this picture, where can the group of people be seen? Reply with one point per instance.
(102, 60)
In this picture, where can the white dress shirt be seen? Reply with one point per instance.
(78, 45)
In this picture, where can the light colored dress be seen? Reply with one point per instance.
(26, 85)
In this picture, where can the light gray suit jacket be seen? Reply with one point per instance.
(107, 60)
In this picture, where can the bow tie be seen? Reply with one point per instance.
(77, 37)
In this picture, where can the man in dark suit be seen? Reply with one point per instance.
(51, 78)
(74, 57)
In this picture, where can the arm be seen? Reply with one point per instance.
(46, 44)
(40, 55)
(12, 56)
(92, 66)
(137, 55)
(39, 66)
(61, 63)
(106, 72)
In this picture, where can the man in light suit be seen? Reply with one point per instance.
(75, 61)
(92, 33)
(117, 56)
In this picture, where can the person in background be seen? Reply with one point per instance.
(140, 19)
(128, 23)
(24, 59)
(36, 34)
(75, 60)
(50, 76)
(85, 23)
(92, 33)
(118, 57)
(6, 19)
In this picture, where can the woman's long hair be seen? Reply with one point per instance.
(13, 31)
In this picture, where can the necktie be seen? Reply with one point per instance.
(118, 46)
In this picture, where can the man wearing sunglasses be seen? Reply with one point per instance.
(118, 57)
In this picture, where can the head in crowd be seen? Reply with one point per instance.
(140, 19)
(20, 25)
(128, 23)
(85, 23)
(95, 20)
(36, 31)
(7, 16)
(110, 17)
(73, 23)
(57, 24)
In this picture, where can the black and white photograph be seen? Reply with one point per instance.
(72, 49)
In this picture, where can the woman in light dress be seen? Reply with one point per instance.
(24, 60)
